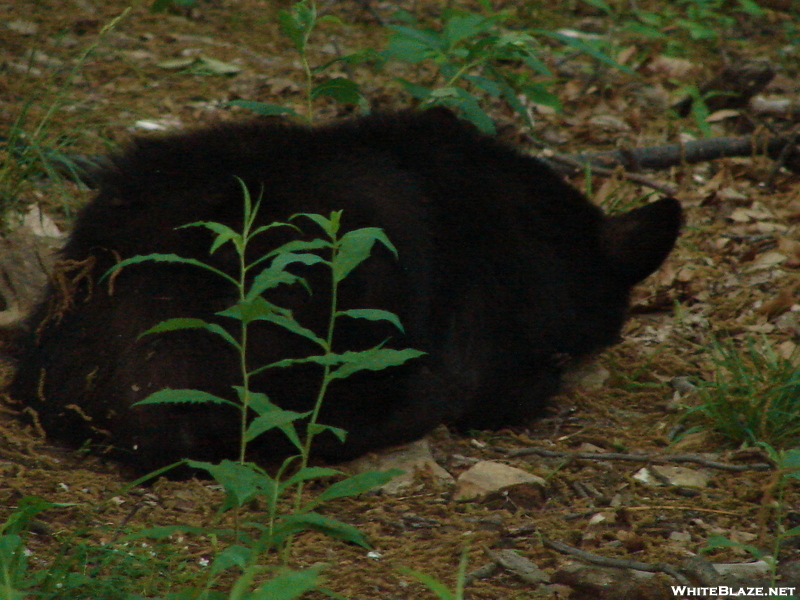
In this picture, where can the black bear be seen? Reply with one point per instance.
(505, 272)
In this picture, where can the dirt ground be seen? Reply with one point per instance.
(734, 273)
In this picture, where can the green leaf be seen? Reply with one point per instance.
(286, 362)
(263, 406)
(372, 314)
(300, 245)
(182, 396)
(585, 47)
(418, 91)
(601, 4)
(13, 565)
(172, 258)
(279, 418)
(242, 482)
(357, 484)
(751, 8)
(467, 104)
(329, 225)
(790, 462)
(305, 521)
(276, 273)
(27, 508)
(718, 541)
(164, 531)
(459, 27)
(794, 531)
(264, 108)
(177, 324)
(190, 323)
(538, 93)
(643, 30)
(433, 584)
(258, 401)
(224, 234)
(428, 37)
(287, 585)
(160, 6)
(232, 556)
(411, 45)
(354, 58)
(375, 359)
(308, 473)
(298, 23)
(698, 30)
(537, 65)
(489, 86)
(317, 428)
(340, 89)
(261, 312)
(247, 310)
(354, 247)
(267, 227)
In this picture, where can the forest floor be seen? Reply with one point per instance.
(734, 276)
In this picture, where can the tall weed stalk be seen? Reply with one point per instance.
(243, 481)
(28, 151)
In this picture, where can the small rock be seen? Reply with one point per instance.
(588, 376)
(23, 27)
(587, 447)
(488, 476)
(41, 224)
(411, 458)
(744, 571)
(519, 565)
(609, 583)
(683, 537)
(666, 475)
(26, 262)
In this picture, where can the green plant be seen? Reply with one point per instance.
(699, 110)
(114, 570)
(439, 589)
(787, 468)
(701, 20)
(171, 5)
(471, 53)
(244, 481)
(754, 396)
(28, 149)
(298, 23)
(15, 578)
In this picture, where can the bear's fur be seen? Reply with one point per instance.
(504, 273)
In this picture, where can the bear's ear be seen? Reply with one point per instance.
(637, 242)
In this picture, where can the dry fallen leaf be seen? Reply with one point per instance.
(791, 248)
(781, 302)
(721, 115)
(675, 68)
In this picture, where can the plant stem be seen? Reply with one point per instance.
(325, 374)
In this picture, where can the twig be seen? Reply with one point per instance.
(267, 61)
(643, 458)
(780, 161)
(134, 509)
(619, 563)
(695, 151)
(668, 189)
